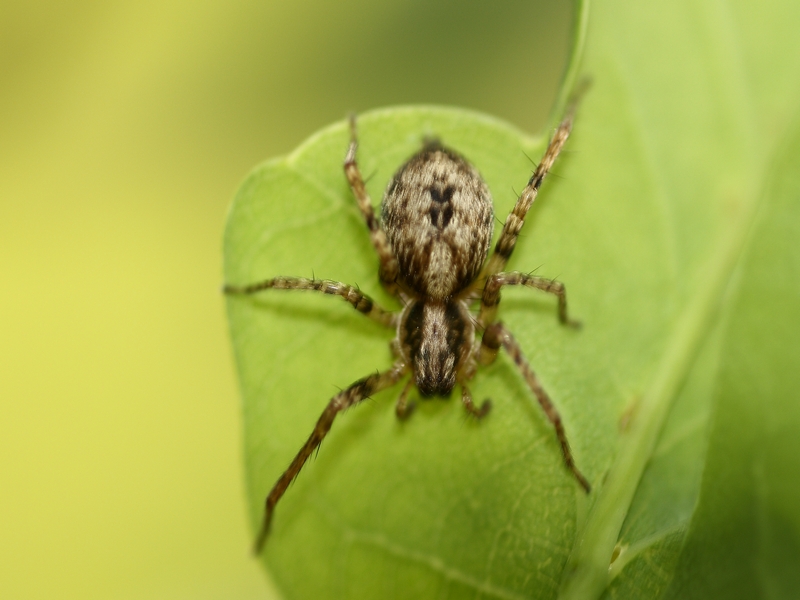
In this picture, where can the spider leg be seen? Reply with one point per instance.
(404, 408)
(361, 302)
(360, 390)
(497, 335)
(469, 405)
(388, 268)
(491, 295)
(516, 219)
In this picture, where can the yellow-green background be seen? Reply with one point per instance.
(124, 131)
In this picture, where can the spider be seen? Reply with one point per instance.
(432, 241)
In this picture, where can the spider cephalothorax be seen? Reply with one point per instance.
(432, 242)
(438, 215)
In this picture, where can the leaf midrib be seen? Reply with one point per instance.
(586, 574)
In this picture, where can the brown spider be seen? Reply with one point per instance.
(432, 240)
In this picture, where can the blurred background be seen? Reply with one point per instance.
(125, 129)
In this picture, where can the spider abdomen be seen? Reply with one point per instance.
(436, 338)
(438, 216)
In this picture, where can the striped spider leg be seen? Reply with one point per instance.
(496, 334)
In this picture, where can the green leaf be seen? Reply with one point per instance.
(680, 413)
(745, 538)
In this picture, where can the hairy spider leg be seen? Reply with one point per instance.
(491, 295)
(358, 300)
(360, 390)
(404, 408)
(389, 269)
(516, 219)
(497, 335)
(469, 404)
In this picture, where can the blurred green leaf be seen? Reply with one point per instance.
(683, 433)
(745, 538)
